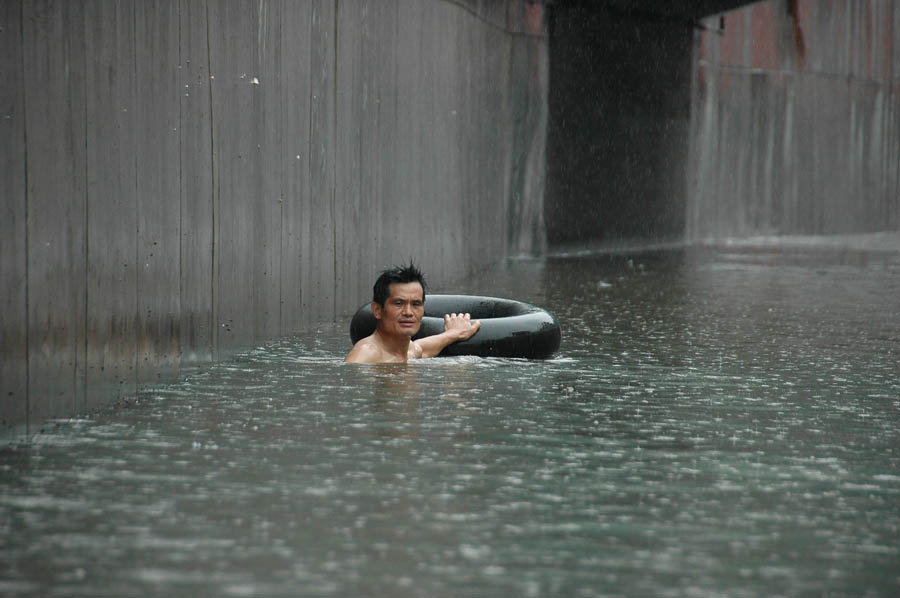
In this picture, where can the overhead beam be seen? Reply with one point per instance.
(660, 10)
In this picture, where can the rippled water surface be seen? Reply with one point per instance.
(717, 423)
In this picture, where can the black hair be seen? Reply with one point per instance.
(401, 274)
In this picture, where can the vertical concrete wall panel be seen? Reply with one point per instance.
(354, 226)
(410, 154)
(829, 99)
(13, 232)
(158, 101)
(197, 243)
(272, 59)
(55, 99)
(249, 208)
(381, 186)
(295, 161)
(318, 216)
(892, 48)
(490, 106)
(232, 30)
(112, 223)
(270, 64)
(528, 105)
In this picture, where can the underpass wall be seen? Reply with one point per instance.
(796, 120)
(184, 178)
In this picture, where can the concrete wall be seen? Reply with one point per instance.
(181, 178)
(796, 124)
(777, 118)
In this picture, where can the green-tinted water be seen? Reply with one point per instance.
(716, 423)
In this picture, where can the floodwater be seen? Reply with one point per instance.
(718, 422)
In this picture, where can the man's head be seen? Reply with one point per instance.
(398, 301)
(398, 274)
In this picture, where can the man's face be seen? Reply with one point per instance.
(402, 312)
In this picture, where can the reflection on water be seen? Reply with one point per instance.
(716, 423)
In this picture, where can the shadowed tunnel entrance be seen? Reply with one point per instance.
(619, 118)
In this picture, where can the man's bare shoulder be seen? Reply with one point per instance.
(366, 350)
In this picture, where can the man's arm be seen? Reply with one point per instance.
(457, 327)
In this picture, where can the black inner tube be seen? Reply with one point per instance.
(508, 328)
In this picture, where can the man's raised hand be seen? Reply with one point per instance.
(461, 325)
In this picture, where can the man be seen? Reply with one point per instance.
(398, 303)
